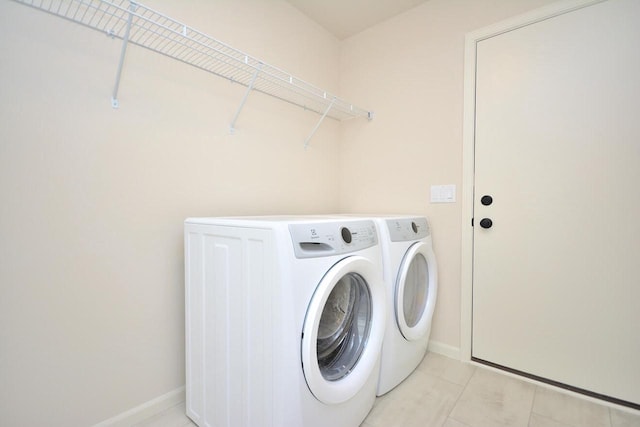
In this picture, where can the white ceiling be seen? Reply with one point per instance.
(344, 18)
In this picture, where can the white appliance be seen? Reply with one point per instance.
(285, 319)
(411, 280)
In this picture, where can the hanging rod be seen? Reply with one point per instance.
(139, 25)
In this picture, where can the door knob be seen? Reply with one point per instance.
(486, 223)
(486, 200)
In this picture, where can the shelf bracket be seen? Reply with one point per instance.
(125, 41)
(306, 141)
(232, 126)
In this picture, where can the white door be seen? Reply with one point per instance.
(556, 287)
(343, 330)
(416, 291)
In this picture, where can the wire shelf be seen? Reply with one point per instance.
(162, 34)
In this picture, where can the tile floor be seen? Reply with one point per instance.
(444, 392)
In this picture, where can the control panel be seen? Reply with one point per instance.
(401, 230)
(332, 238)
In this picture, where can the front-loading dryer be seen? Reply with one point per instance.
(411, 281)
(285, 318)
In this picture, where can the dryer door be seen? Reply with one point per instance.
(416, 289)
(343, 330)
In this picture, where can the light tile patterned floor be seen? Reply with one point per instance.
(444, 392)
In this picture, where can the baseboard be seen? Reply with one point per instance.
(177, 396)
(146, 410)
(444, 349)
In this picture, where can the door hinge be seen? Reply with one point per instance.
(472, 222)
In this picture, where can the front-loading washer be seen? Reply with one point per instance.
(285, 318)
(411, 281)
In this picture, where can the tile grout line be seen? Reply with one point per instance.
(533, 401)
(610, 416)
(464, 387)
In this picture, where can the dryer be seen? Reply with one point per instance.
(411, 281)
(285, 318)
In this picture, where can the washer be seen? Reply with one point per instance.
(411, 280)
(285, 318)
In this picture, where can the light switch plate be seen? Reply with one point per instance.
(443, 193)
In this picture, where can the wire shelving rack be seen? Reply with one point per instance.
(139, 25)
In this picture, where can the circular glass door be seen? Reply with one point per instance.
(343, 330)
(416, 289)
(344, 327)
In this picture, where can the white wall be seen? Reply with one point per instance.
(409, 70)
(93, 199)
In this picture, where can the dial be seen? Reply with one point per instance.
(346, 235)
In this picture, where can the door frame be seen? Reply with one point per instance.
(468, 144)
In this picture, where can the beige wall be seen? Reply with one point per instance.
(409, 70)
(93, 199)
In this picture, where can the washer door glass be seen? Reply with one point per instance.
(343, 330)
(416, 289)
(344, 327)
